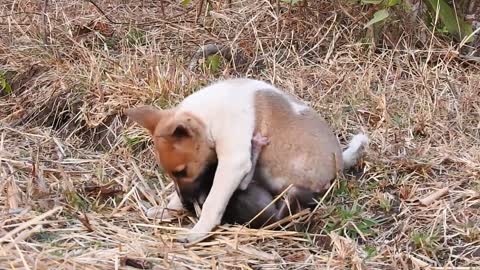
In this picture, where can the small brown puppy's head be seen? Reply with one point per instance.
(181, 145)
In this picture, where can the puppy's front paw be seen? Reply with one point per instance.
(161, 213)
(192, 236)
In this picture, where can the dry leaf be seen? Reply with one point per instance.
(433, 196)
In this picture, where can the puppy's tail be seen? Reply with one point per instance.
(354, 151)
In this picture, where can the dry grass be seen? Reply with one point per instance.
(75, 182)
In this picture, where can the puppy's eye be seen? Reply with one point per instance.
(180, 174)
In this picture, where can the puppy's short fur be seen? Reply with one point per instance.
(242, 208)
(250, 205)
(216, 125)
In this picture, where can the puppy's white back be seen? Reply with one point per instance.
(229, 103)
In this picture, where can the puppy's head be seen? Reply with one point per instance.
(181, 145)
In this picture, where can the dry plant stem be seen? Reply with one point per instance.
(46, 38)
(199, 10)
(103, 12)
(162, 6)
(29, 223)
(23, 235)
(13, 198)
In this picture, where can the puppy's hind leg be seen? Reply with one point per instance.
(258, 142)
(297, 199)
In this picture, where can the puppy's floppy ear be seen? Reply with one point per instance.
(146, 116)
(182, 126)
(182, 131)
(177, 130)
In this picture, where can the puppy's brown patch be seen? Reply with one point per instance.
(305, 153)
(181, 145)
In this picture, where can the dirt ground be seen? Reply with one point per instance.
(76, 178)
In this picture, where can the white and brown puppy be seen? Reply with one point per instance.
(216, 125)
